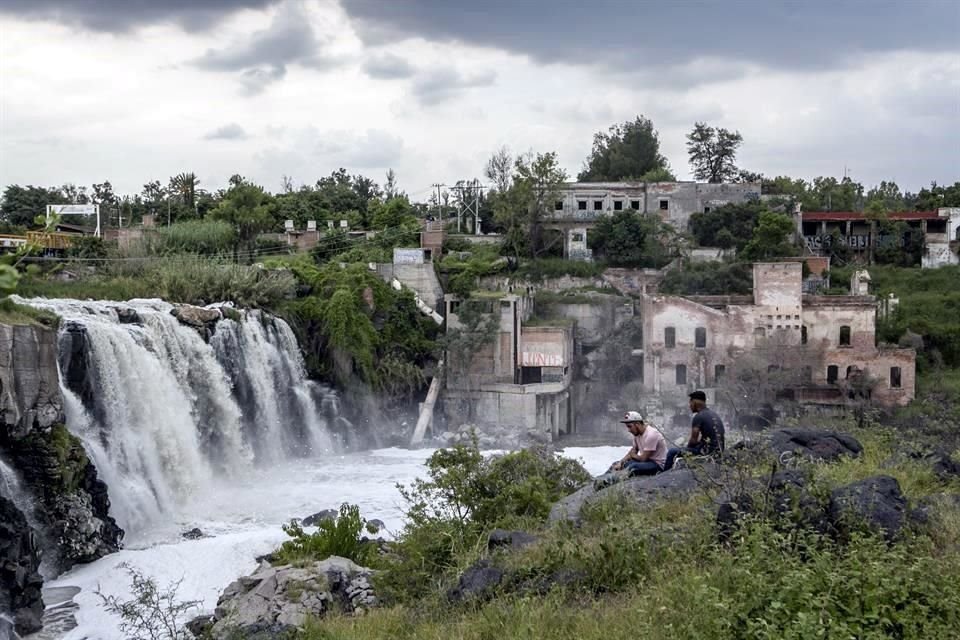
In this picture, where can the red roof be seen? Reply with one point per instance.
(837, 216)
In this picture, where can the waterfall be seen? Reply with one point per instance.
(163, 413)
(11, 489)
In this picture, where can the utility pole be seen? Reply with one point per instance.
(439, 205)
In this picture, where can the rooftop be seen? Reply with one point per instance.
(838, 216)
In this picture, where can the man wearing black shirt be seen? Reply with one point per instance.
(706, 431)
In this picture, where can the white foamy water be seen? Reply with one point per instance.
(244, 517)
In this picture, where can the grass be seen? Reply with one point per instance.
(12, 313)
(640, 571)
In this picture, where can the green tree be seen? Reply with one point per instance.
(249, 209)
(537, 180)
(627, 151)
(770, 238)
(936, 196)
(631, 239)
(886, 195)
(827, 193)
(713, 152)
(22, 205)
(726, 226)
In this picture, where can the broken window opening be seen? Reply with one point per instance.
(558, 205)
(582, 205)
(719, 371)
(844, 336)
(700, 337)
(669, 337)
(803, 334)
(833, 372)
(681, 374)
(618, 205)
(598, 205)
(895, 377)
(635, 205)
(664, 205)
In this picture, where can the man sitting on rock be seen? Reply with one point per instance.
(706, 432)
(648, 455)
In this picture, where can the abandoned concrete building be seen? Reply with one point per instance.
(940, 228)
(581, 204)
(829, 342)
(519, 377)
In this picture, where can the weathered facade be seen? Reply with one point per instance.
(581, 204)
(520, 377)
(940, 229)
(828, 342)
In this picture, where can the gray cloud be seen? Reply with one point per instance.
(263, 57)
(373, 149)
(124, 15)
(637, 36)
(231, 131)
(439, 85)
(388, 67)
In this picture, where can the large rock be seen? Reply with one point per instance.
(29, 380)
(276, 600)
(812, 444)
(478, 581)
(20, 583)
(318, 517)
(874, 503)
(641, 490)
(202, 319)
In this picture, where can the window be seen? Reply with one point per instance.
(576, 237)
(598, 205)
(851, 369)
(681, 374)
(706, 209)
(759, 332)
(700, 338)
(844, 336)
(664, 205)
(719, 371)
(618, 205)
(454, 306)
(558, 205)
(582, 205)
(635, 205)
(505, 304)
(803, 334)
(894, 377)
(833, 372)
(669, 337)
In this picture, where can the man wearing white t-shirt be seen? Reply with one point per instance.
(648, 455)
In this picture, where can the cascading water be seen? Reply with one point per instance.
(162, 413)
(12, 490)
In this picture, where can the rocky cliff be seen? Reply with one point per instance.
(19, 562)
(70, 503)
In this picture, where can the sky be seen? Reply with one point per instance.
(136, 90)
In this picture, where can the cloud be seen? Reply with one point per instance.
(231, 131)
(441, 84)
(373, 149)
(816, 34)
(123, 15)
(388, 67)
(263, 57)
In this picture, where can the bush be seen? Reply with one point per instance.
(340, 536)
(202, 237)
(541, 268)
(708, 278)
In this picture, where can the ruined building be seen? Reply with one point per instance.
(808, 348)
(581, 204)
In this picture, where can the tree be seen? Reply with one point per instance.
(770, 238)
(936, 196)
(726, 226)
(631, 239)
(184, 186)
(249, 209)
(712, 153)
(537, 181)
(20, 206)
(832, 195)
(886, 196)
(154, 613)
(392, 214)
(498, 169)
(390, 188)
(627, 151)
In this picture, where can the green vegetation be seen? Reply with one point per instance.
(771, 578)
(14, 314)
(201, 237)
(339, 536)
(627, 151)
(542, 268)
(632, 239)
(709, 278)
(712, 153)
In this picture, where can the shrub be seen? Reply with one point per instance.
(203, 237)
(340, 536)
(196, 280)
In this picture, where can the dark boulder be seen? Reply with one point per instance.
(315, 519)
(946, 467)
(812, 444)
(478, 581)
(20, 582)
(193, 534)
(500, 538)
(730, 514)
(375, 525)
(204, 321)
(874, 503)
(126, 315)
(200, 625)
(643, 490)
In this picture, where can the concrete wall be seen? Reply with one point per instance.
(629, 282)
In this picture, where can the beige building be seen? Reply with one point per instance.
(826, 343)
(520, 377)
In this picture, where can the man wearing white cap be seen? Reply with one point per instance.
(648, 455)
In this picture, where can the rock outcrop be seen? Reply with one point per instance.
(641, 490)
(276, 600)
(825, 446)
(29, 381)
(200, 318)
(874, 503)
(20, 582)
